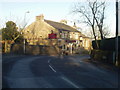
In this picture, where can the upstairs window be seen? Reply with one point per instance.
(76, 36)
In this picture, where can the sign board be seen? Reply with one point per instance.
(52, 36)
(70, 41)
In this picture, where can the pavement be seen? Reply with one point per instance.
(27, 71)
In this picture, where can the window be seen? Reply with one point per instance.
(76, 36)
(65, 34)
(62, 35)
(70, 35)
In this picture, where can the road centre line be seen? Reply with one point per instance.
(52, 68)
(64, 78)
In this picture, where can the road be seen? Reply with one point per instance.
(55, 72)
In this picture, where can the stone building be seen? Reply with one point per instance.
(60, 35)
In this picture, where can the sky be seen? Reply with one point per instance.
(51, 10)
(54, 10)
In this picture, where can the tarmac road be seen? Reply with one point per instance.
(55, 72)
(83, 72)
(33, 72)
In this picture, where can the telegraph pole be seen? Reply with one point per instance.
(116, 40)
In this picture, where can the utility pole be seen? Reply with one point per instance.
(116, 40)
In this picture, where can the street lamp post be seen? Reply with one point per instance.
(25, 18)
(24, 48)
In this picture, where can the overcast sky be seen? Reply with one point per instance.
(52, 9)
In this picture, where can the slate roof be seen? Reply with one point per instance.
(36, 26)
(61, 26)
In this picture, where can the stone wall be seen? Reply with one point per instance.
(35, 49)
(104, 56)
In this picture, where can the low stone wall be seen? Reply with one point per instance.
(34, 49)
(17, 49)
(104, 56)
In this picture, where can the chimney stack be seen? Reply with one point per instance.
(63, 21)
(40, 18)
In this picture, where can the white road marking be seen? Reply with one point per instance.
(52, 68)
(49, 60)
(70, 82)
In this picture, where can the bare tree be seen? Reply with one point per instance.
(88, 17)
(98, 10)
(93, 14)
(106, 32)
